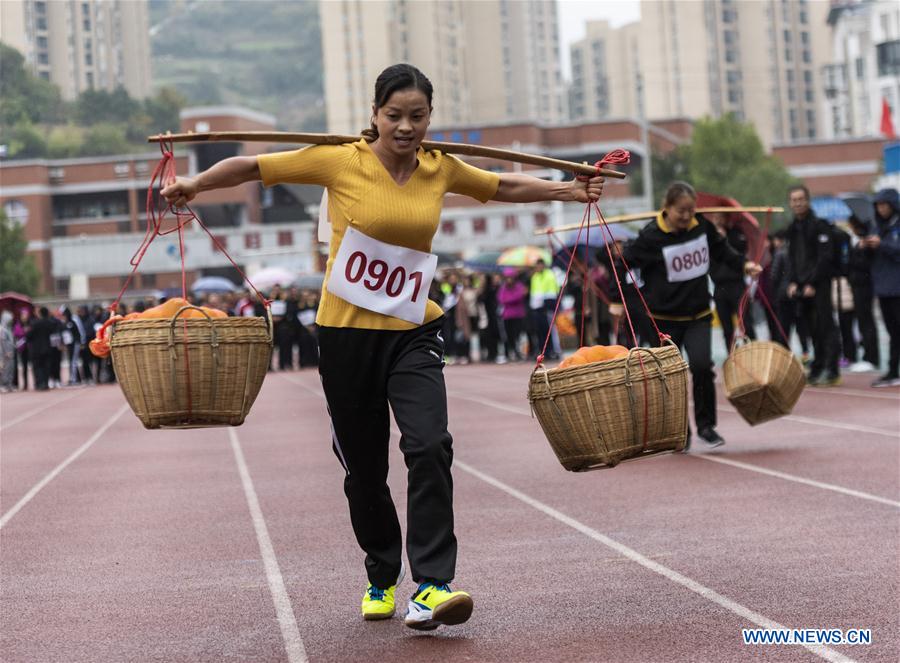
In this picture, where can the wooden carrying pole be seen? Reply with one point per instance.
(330, 139)
(625, 218)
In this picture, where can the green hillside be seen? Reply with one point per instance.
(260, 54)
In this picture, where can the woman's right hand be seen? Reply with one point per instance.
(180, 192)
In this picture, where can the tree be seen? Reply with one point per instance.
(18, 270)
(23, 140)
(64, 141)
(105, 138)
(726, 157)
(23, 96)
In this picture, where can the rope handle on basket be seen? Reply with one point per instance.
(165, 173)
(173, 355)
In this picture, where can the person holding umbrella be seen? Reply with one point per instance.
(380, 339)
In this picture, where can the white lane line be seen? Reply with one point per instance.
(744, 466)
(792, 477)
(711, 595)
(31, 413)
(856, 428)
(290, 633)
(59, 468)
(854, 392)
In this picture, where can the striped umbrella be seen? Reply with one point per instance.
(524, 256)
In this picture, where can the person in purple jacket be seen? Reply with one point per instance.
(512, 297)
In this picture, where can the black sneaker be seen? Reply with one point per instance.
(887, 380)
(711, 438)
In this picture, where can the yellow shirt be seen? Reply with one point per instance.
(363, 194)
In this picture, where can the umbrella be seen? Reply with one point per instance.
(15, 302)
(213, 284)
(744, 221)
(270, 276)
(524, 256)
(595, 239)
(309, 281)
(830, 208)
(860, 204)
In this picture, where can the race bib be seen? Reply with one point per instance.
(688, 260)
(381, 277)
(307, 317)
(278, 307)
(67, 338)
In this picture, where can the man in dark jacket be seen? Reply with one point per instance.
(40, 347)
(811, 252)
(886, 275)
(859, 275)
(729, 283)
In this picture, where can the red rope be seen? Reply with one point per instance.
(164, 174)
(618, 157)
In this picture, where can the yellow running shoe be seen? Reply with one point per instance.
(433, 605)
(378, 603)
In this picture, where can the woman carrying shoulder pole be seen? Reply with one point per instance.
(674, 253)
(379, 334)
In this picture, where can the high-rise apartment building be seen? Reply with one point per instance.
(82, 44)
(605, 70)
(865, 70)
(490, 61)
(759, 60)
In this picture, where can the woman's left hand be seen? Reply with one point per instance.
(587, 191)
(752, 269)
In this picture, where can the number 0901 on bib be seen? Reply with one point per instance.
(381, 277)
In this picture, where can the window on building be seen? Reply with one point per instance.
(448, 227)
(807, 56)
(804, 38)
(787, 37)
(888, 58)
(252, 241)
(42, 43)
(541, 220)
(510, 222)
(789, 75)
(89, 80)
(810, 97)
(61, 285)
(811, 118)
(807, 77)
(479, 225)
(219, 241)
(860, 68)
(285, 238)
(41, 23)
(804, 17)
(148, 280)
(45, 75)
(730, 55)
(40, 7)
(86, 24)
(43, 58)
(89, 59)
(791, 94)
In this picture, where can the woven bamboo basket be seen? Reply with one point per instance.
(763, 380)
(191, 373)
(598, 415)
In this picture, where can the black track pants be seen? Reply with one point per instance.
(695, 337)
(363, 372)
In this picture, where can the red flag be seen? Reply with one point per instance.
(887, 124)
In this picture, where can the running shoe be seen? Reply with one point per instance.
(378, 603)
(887, 380)
(710, 438)
(827, 381)
(862, 367)
(435, 604)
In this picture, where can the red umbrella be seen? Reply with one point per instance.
(15, 302)
(746, 222)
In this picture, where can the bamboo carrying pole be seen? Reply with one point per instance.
(331, 139)
(625, 218)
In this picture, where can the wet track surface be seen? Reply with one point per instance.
(122, 544)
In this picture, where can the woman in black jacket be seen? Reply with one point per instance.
(674, 253)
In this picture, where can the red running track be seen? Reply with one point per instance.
(122, 544)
